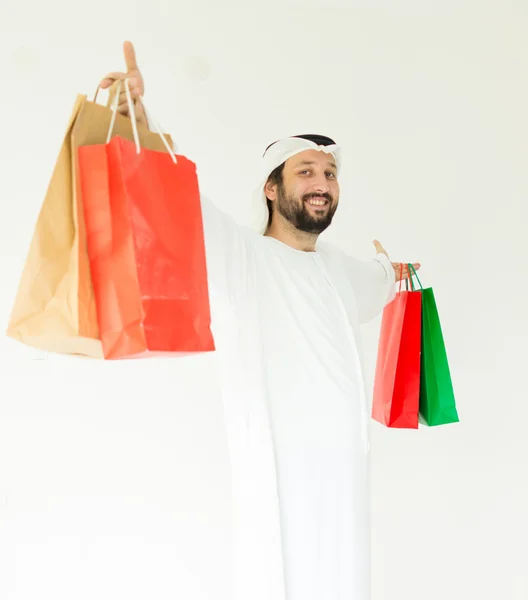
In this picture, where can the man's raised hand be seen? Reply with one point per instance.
(402, 271)
(135, 80)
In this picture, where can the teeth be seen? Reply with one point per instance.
(317, 202)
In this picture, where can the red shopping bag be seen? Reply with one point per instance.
(396, 395)
(146, 249)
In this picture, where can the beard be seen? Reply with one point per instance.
(297, 213)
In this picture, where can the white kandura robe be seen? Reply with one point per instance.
(286, 327)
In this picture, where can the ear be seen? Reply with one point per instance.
(270, 189)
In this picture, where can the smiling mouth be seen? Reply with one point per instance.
(317, 202)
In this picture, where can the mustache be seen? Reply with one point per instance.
(326, 196)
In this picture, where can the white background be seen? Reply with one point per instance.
(114, 477)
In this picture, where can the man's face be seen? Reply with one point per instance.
(309, 194)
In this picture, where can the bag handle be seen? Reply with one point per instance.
(413, 273)
(406, 280)
(132, 112)
(96, 93)
(409, 279)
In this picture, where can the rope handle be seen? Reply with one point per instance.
(132, 112)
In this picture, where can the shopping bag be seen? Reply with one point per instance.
(146, 248)
(396, 391)
(93, 126)
(54, 308)
(437, 399)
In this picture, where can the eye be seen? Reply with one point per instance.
(333, 175)
(303, 172)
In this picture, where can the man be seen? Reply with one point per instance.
(286, 310)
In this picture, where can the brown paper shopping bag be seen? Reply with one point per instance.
(55, 308)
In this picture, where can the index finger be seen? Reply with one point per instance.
(130, 56)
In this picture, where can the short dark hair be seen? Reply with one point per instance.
(275, 178)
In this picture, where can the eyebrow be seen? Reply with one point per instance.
(311, 162)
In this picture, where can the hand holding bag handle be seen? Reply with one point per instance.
(132, 112)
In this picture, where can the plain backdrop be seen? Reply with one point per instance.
(114, 477)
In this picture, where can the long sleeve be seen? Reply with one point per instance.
(373, 283)
(226, 247)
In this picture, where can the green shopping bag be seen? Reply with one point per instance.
(437, 398)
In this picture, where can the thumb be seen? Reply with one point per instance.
(379, 248)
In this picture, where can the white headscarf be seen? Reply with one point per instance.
(279, 152)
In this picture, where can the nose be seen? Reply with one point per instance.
(321, 185)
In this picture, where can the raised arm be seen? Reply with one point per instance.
(374, 281)
(226, 243)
